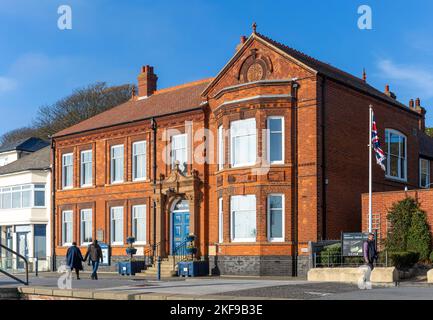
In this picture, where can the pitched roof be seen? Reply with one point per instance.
(331, 71)
(38, 160)
(166, 101)
(27, 144)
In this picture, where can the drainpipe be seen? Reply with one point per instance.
(154, 128)
(53, 205)
(324, 184)
(295, 87)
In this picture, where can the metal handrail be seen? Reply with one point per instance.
(152, 252)
(26, 282)
(181, 248)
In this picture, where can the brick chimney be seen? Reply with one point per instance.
(241, 43)
(422, 112)
(389, 93)
(146, 81)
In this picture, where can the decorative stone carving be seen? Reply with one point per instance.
(255, 67)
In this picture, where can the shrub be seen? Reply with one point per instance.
(418, 239)
(409, 229)
(331, 254)
(403, 260)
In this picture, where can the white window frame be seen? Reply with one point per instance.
(134, 156)
(112, 231)
(82, 222)
(421, 160)
(268, 140)
(220, 220)
(64, 243)
(173, 160)
(20, 189)
(232, 226)
(64, 186)
(268, 213)
(82, 171)
(133, 232)
(221, 154)
(232, 137)
(388, 158)
(112, 159)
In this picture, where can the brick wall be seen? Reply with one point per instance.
(383, 201)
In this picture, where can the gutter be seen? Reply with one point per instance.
(154, 167)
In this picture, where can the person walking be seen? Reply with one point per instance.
(74, 259)
(94, 252)
(370, 252)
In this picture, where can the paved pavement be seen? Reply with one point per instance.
(269, 287)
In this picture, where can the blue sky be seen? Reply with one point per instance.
(190, 40)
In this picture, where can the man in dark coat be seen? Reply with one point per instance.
(94, 252)
(370, 252)
(74, 259)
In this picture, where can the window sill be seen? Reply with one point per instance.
(117, 244)
(116, 182)
(85, 244)
(140, 243)
(244, 240)
(395, 179)
(86, 186)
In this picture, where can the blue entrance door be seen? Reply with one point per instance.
(180, 226)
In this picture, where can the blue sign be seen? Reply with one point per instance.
(105, 254)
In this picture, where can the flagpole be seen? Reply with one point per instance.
(370, 175)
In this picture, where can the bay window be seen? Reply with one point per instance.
(243, 142)
(117, 164)
(396, 155)
(220, 148)
(67, 170)
(275, 217)
(139, 160)
(275, 140)
(424, 173)
(243, 218)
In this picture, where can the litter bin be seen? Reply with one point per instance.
(193, 268)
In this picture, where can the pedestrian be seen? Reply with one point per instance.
(94, 252)
(370, 252)
(74, 259)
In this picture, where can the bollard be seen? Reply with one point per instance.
(36, 266)
(158, 268)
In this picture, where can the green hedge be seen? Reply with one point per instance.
(330, 255)
(405, 259)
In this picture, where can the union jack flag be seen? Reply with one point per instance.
(380, 155)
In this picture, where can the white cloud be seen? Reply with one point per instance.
(415, 79)
(7, 84)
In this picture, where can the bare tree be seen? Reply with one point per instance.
(80, 105)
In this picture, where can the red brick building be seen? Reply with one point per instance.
(262, 195)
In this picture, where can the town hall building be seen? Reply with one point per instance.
(285, 141)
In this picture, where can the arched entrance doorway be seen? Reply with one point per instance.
(180, 222)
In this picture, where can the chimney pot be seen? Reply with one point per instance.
(417, 102)
(147, 80)
(411, 104)
(387, 88)
(243, 39)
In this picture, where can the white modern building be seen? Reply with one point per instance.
(25, 208)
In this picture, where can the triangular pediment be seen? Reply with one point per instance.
(258, 59)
